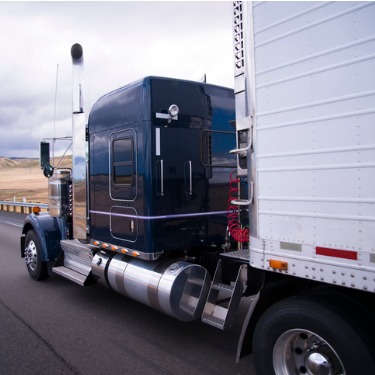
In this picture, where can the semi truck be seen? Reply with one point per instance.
(188, 197)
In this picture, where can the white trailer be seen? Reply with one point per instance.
(305, 122)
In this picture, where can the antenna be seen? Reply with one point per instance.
(203, 78)
(54, 116)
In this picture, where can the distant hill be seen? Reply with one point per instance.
(18, 162)
(30, 162)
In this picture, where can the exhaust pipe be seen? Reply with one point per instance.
(77, 59)
(79, 172)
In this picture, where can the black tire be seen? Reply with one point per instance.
(305, 335)
(38, 270)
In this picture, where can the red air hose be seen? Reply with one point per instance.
(239, 234)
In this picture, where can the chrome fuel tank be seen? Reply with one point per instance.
(176, 288)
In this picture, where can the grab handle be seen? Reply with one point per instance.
(160, 174)
(189, 178)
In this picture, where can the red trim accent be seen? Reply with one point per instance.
(345, 254)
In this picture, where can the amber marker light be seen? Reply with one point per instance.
(278, 264)
(135, 254)
(104, 245)
(36, 210)
(124, 251)
(96, 243)
(114, 248)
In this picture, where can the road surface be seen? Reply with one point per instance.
(58, 327)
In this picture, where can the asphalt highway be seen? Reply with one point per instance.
(58, 327)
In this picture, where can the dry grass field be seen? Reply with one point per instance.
(22, 179)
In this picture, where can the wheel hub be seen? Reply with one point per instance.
(317, 364)
(300, 351)
(31, 255)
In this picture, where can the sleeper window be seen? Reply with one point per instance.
(123, 161)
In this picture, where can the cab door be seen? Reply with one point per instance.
(123, 183)
(179, 187)
(178, 171)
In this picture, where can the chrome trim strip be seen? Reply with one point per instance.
(161, 217)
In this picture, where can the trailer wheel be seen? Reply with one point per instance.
(38, 270)
(300, 335)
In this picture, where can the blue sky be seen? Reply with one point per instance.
(122, 41)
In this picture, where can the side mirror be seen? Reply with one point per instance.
(44, 159)
(44, 154)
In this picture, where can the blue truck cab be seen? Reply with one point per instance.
(156, 181)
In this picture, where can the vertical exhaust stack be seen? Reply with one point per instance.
(79, 178)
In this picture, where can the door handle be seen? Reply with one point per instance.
(160, 173)
(189, 178)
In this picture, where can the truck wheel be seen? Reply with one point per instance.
(302, 335)
(38, 270)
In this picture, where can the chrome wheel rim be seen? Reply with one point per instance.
(31, 256)
(299, 351)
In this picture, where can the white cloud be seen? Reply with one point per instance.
(122, 42)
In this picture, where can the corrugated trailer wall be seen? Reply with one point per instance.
(313, 82)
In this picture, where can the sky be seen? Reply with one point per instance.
(122, 42)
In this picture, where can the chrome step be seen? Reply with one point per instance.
(77, 256)
(238, 254)
(214, 320)
(223, 287)
(214, 313)
(76, 263)
(70, 274)
(195, 292)
(189, 306)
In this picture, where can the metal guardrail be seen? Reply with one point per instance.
(22, 207)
